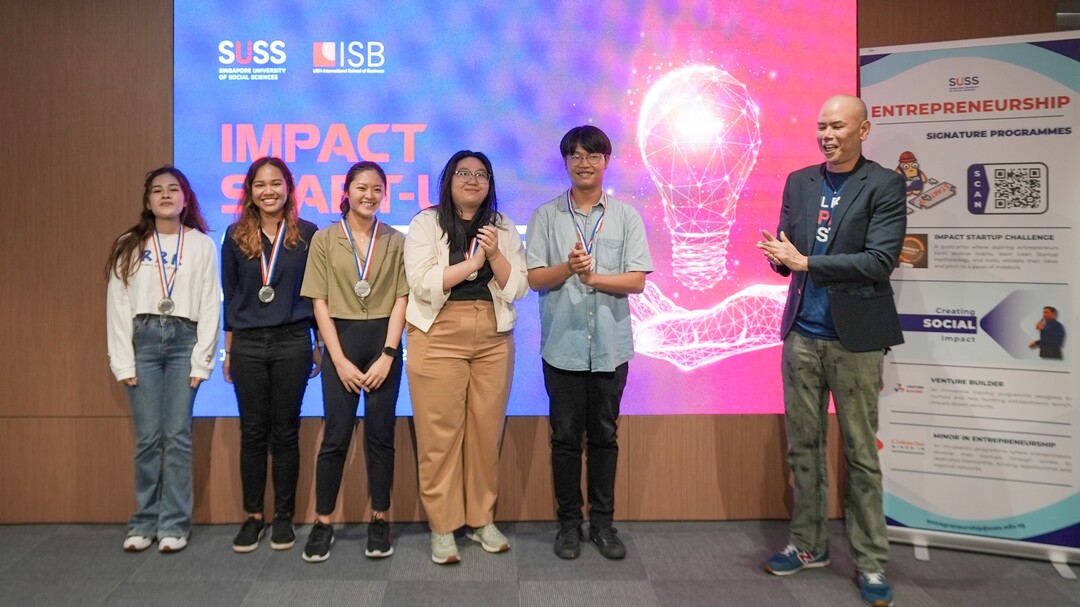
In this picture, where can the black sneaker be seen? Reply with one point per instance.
(378, 539)
(282, 536)
(607, 542)
(318, 543)
(247, 539)
(568, 541)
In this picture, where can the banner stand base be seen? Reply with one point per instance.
(1064, 570)
(922, 540)
(922, 553)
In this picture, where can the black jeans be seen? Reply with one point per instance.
(362, 342)
(270, 368)
(584, 403)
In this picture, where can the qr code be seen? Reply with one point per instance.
(1018, 188)
(1014, 189)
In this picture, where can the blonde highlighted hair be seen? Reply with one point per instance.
(248, 231)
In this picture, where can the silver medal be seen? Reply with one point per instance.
(362, 289)
(472, 276)
(266, 294)
(166, 306)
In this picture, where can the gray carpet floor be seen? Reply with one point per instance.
(668, 564)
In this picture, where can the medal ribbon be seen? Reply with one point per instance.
(268, 268)
(168, 283)
(471, 249)
(596, 228)
(361, 270)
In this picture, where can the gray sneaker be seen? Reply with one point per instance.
(444, 549)
(490, 538)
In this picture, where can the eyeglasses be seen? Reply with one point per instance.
(593, 159)
(464, 175)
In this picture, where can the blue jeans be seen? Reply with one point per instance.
(161, 407)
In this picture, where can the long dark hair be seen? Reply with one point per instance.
(124, 256)
(488, 213)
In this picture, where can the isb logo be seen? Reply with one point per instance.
(354, 54)
(244, 52)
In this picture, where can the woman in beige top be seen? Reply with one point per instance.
(465, 266)
(356, 279)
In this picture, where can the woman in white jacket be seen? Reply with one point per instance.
(465, 266)
(163, 314)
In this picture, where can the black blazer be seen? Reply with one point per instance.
(867, 233)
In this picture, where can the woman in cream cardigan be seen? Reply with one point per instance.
(465, 266)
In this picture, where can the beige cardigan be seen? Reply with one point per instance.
(427, 255)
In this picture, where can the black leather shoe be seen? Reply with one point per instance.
(607, 542)
(568, 541)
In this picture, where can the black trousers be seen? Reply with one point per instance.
(362, 342)
(584, 404)
(270, 368)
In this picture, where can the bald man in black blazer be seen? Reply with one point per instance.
(841, 228)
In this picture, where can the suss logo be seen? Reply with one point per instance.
(244, 52)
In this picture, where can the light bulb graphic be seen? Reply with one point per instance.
(699, 138)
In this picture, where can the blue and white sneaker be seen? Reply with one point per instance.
(875, 590)
(791, 560)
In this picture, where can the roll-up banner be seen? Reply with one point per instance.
(978, 421)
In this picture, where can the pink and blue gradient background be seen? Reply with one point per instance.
(509, 80)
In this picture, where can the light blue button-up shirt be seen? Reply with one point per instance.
(581, 328)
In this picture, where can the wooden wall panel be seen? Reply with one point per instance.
(885, 23)
(713, 467)
(526, 492)
(66, 469)
(670, 467)
(217, 474)
(86, 110)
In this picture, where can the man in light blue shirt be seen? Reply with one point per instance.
(586, 252)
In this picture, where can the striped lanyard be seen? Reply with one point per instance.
(268, 267)
(168, 282)
(596, 228)
(361, 269)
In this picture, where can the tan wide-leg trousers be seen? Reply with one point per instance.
(459, 379)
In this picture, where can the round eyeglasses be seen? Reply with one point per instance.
(464, 175)
(593, 159)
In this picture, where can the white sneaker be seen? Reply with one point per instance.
(444, 549)
(490, 538)
(172, 544)
(137, 543)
